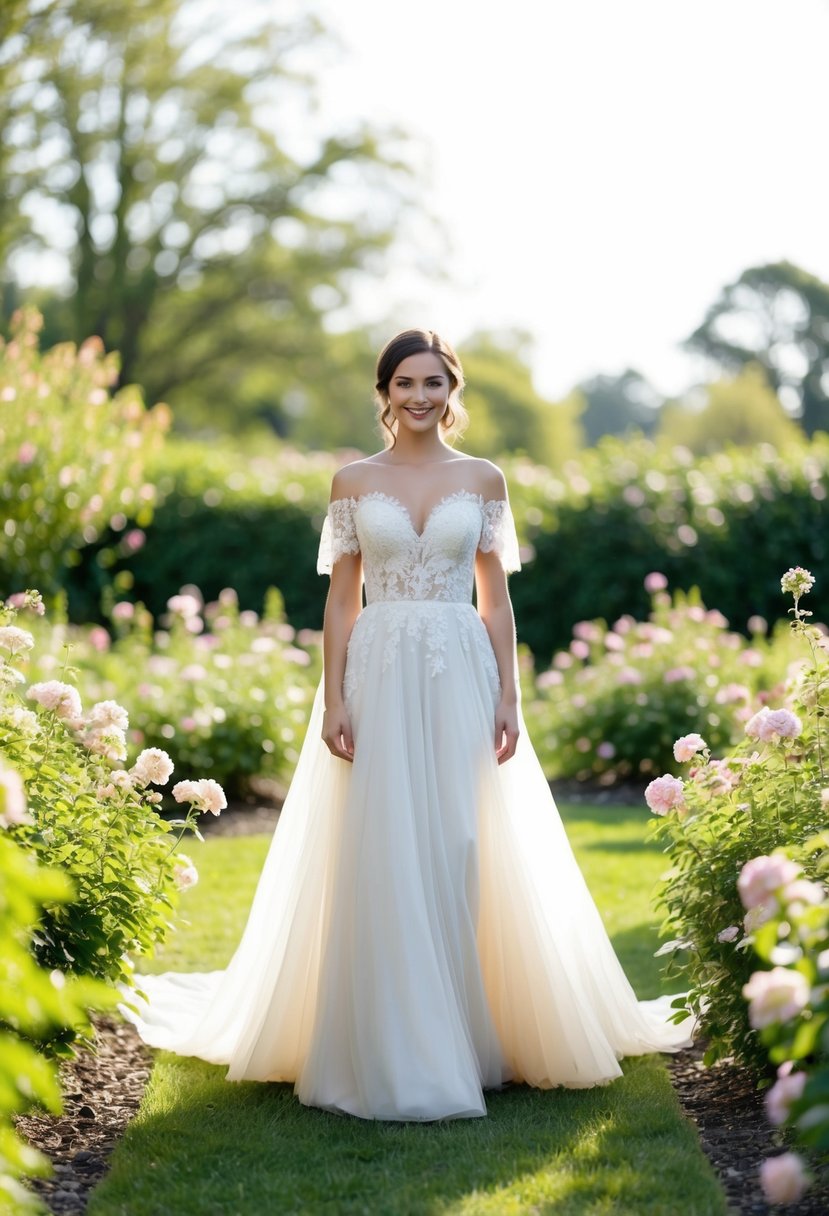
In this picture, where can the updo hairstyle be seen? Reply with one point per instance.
(414, 342)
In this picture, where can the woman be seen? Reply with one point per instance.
(421, 931)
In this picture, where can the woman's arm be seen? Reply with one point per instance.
(342, 607)
(495, 610)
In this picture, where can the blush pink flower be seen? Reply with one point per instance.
(688, 745)
(664, 794)
(12, 799)
(152, 766)
(764, 876)
(99, 638)
(674, 674)
(783, 1178)
(54, 695)
(205, 795)
(15, 640)
(787, 1089)
(729, 935)
(108, 713)
(775, 996)
(655, 581)
(123, 611)
(772, 725)
(185, 873)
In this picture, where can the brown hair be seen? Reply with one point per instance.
(400, 347)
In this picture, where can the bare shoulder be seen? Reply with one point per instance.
(349, 481)
(489, 478)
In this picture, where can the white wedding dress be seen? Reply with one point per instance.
(421, 930)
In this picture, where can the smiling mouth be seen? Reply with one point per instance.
(418, 413)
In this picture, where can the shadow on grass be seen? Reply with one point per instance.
(203, 1145)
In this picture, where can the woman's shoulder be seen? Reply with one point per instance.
(489, 479)
(348, 482)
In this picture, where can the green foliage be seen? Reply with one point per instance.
(742, 410)
(225, 693)
(612, 704)
(34, 1005)
(796, 938)
(625, 404)
(725, 523)
(765, 796)
(99, 826)
(778, 316)
(73, 457)
(195, 239)
(507, 413)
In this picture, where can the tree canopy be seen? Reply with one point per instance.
(178, 173)
(775, 315)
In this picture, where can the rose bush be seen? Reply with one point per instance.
(34, 1005)
(224, 692)
(66, 803)
(614, 703)
(749, 849)
(73, 455)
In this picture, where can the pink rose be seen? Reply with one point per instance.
(775, 996)
(688, 746)
(664, 794)
(763, 876)
(153, 766)
(772, 725)
(675, 674)
(786, 1090)
(12, 799)
(783, 1178)
(62, 698)
(185, 873)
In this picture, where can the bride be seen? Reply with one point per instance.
(421, 931)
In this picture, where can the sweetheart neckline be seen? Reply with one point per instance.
(441, 502)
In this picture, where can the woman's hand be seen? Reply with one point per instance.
(336, 732)
(506, 730)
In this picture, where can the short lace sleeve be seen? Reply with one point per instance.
(339, 534)
(498, 534)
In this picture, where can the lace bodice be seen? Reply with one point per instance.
(399, 563)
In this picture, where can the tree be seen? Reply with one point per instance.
(778, 316)
(507, 413)
(618, 405)
(150, 151)
(742, 410)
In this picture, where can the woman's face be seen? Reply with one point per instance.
(419, 391)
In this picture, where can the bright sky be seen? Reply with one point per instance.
(601, 167)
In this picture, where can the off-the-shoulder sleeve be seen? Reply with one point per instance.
(339, 534)
(498, 534)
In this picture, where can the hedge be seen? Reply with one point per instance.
(725, 524)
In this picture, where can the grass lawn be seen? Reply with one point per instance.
(200, 1146)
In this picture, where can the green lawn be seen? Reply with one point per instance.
(202, 1147)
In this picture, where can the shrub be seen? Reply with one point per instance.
(789, 1005)
(224, 692)
(765, 796)
(97, 824)
(725, 523)
(74, 456)
(612, 704)
(34, 1004)
(227, 517)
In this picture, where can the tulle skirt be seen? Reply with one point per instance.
(421, 930)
